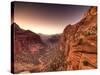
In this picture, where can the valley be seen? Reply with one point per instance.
(74, 49)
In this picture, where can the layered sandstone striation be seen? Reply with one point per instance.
(79, 42)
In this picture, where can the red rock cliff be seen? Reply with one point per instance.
(79, 42)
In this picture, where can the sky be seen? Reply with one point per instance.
(47, 18)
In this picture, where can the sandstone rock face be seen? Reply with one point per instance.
(26, 45)
(91, 11)
(24, 39)
(79, 42)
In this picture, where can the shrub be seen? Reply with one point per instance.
(85, 62)
(87, 33)
(80, 41)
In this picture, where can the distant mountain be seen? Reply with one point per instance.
(44, 37)
(54, 39)
(50, 38)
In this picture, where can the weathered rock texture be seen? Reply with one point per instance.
(79, 42)
(25, 49)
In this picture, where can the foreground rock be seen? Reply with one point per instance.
(79, 42)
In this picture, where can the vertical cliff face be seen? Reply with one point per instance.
(26, 48)
(79, 42)
(23, 39)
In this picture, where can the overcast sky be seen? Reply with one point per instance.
(47, 18)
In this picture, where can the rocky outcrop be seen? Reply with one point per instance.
(79, 42)
(24, 39)
(91, 11)
(26, 46)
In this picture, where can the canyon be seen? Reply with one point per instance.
(74, 49)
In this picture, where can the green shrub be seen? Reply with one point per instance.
(80, 41)
(87, 33)
(85, 62)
